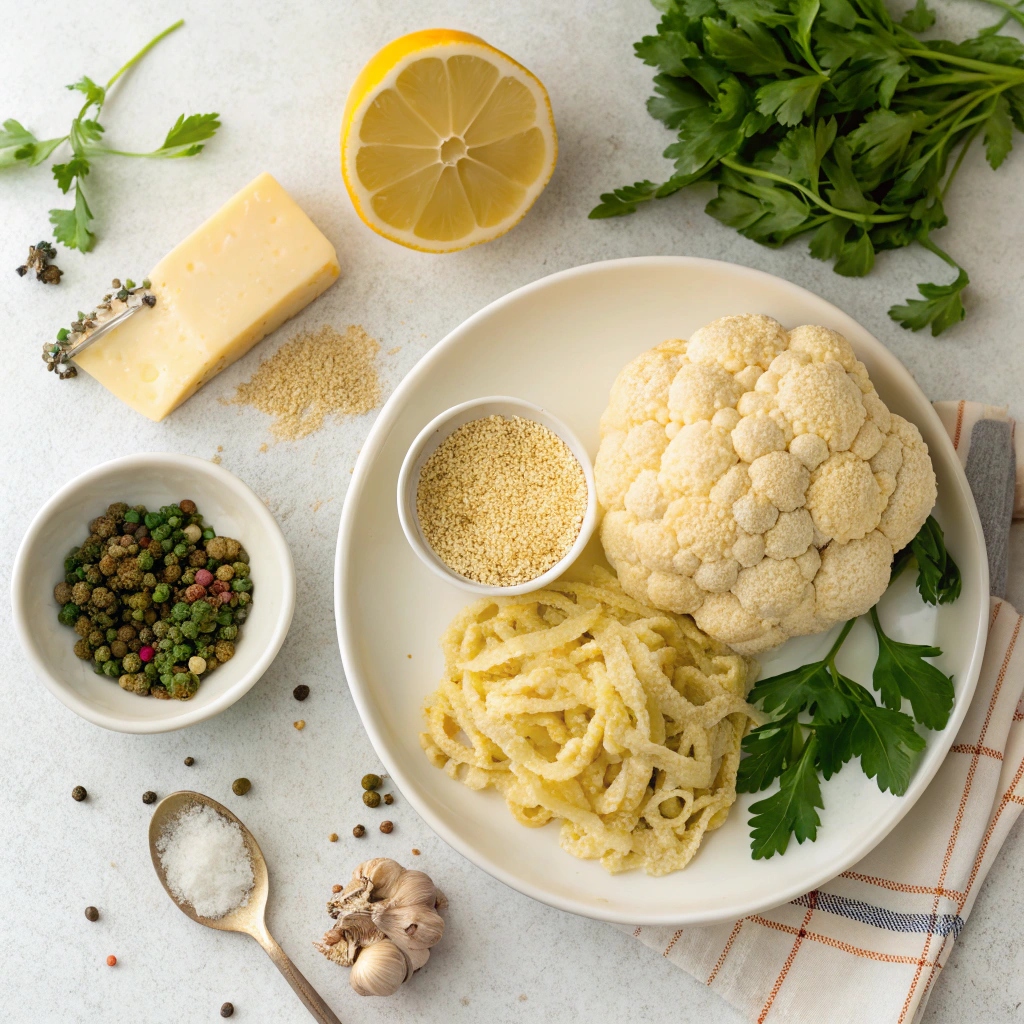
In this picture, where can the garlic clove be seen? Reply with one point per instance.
(417, 927)
(441, 901)
(413, 887)
(416, 957)
(383, 872)
(379, 969)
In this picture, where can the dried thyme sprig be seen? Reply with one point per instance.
(120, 297)
(20, 148)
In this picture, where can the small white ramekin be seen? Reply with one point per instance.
(229, 506)
(423, 447)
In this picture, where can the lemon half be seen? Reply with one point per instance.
(446, 142)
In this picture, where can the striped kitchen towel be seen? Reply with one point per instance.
(869, 945)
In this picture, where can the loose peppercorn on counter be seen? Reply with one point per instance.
(256, 262)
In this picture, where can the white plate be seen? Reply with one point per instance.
(559, 343)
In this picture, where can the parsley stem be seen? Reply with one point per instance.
(959, 160)
(142, 53)
(840, 640)
(860, 218)
(992, 70)
(1012, 11)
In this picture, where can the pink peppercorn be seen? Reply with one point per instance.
(219, 587)
(204, 577)
(195, 592)
(225, 597)
(146, 653)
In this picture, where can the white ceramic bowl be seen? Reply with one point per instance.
(424, 446)
(152, 480)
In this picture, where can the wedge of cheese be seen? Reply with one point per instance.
(251, 266)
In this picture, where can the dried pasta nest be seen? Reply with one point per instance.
(581, 704)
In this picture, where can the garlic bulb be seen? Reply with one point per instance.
(386, 920)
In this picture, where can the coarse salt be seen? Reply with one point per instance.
(206, 862)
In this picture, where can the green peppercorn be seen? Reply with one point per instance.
(112, 668)
(181, 611)
(370, 781)
(239, 787)
(101, 654)
(131, 516)
(240, 585)
(190, 630)
(224, 617)
(241, 568)
(68, 615)
(167, 545)
(227, 632)
(209, 534)
(181, 550)
(161, 593)
(182, 652)
(153, 520)
(371, 798)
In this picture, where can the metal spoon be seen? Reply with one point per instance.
(250, 918)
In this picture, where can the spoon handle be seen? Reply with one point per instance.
(312, 1000)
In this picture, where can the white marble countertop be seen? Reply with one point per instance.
(278, 73)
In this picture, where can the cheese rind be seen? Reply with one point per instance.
(256, 262)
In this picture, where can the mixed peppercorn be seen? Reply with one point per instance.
(156, 598)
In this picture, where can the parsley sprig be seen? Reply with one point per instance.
(829, 118)
(822, 719)
(20, 148)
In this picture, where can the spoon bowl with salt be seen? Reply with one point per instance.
(247, 913)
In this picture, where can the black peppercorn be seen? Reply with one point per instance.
(386, 826)
(92, 914)
(189, 761)
(301, 692)
(149, 797)
(359, 831)
(388, 798)
(79, 793)
(226, 1010)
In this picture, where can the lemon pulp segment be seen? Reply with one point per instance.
(446, 145)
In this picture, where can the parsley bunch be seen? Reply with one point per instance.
(20, 148)
(822, 719)
(831, 118)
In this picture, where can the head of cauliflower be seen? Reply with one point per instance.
(752, 478)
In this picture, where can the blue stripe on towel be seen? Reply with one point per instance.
(879, 917)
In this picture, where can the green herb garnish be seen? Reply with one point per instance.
(20, 148)
(822, 719)
(828, 117)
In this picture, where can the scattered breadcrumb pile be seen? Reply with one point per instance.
(315, 375)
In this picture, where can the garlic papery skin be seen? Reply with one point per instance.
(379, 969)
(416, 927)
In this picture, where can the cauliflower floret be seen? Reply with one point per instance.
(755, 436)
(695, 458)
(736, 342)
(755, 480)
(820, 398)
(852, 577)
(699, 391)
(844, 498)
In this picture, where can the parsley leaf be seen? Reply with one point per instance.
(938, 576)
(941, 306)
(73, 227)
(94, 94)
(769, 749)
(809, 687)
(856, 258)
(886, 743)
(902, 672)
(19, 145)
(790, 99)
(919, 18)
(790, 811)
(187, 134)
(998, 133)
(624, 200)
(65, 174)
